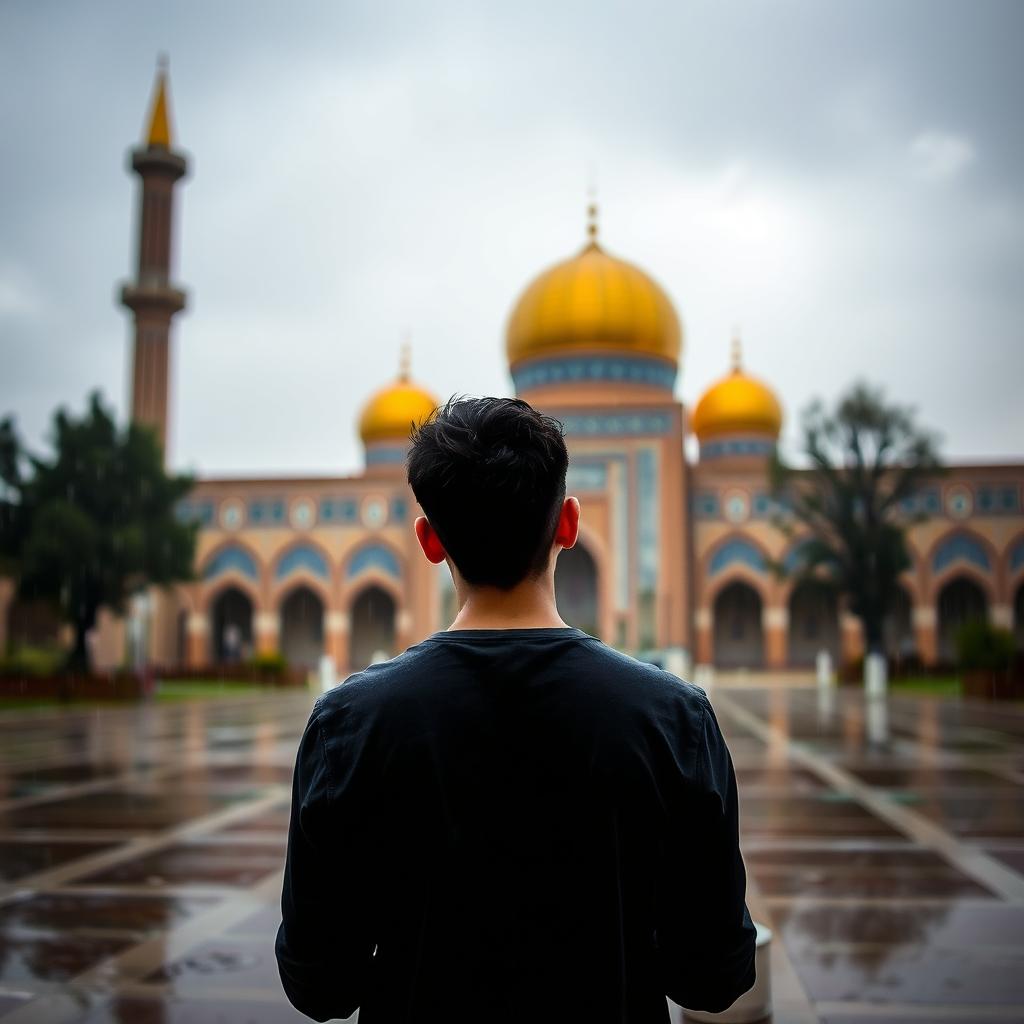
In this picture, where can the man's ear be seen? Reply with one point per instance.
(568, 528)
(429, 541)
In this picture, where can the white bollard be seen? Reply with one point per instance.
(877, 716)
(875, 671)
(823, 664)
(753, 1005)
(328, 674)
(677, 661)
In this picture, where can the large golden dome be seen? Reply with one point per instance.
(393, 412)
(593, 301)
(737, 404)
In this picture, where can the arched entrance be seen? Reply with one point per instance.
(232, 626)
(576, 588)
(900, 643)
(302, 628)
(372, 633)
(960, 600)
(813, 622)
(738, 636)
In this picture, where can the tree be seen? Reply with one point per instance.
(95, 523)
(865, 462)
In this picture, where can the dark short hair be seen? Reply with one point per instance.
(489, 474)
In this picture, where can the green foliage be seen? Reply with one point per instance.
(864, 459)
(271, 664)
(95, 522)
(33, 662)
(982, 646)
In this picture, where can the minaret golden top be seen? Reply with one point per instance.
(159, 132)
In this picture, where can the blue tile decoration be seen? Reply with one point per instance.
(374, 556)
(586, 476)
(648, 554)
(1017, 556)
(302, 556)
(997, 499)
(267, 512)
(794, 557)
(617, 424)
(339, 510)
(718, 449)
(231, 558)
(399, 510)
(195, 511)
(706, 505)
(738, 549)
(386, 454)
(617, 369)
(960, 546)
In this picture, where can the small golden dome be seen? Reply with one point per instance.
(593, 301)
(392, 412)
(737, 404)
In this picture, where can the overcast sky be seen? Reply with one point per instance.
(843, 181)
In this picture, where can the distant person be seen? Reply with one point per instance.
(510, 821)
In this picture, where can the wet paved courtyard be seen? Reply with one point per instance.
(141, 851)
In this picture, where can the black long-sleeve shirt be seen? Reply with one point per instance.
(513, 825)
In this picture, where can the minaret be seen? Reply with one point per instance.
(151, 296)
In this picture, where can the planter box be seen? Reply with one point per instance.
(994, 684)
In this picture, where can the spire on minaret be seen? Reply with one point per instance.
(159, 133)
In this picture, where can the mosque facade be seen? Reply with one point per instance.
(674, 554)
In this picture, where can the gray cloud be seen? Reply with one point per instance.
(842, 180)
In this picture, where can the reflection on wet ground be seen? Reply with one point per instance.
(140, 857)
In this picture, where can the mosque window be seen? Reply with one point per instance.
(338, 510)
(705, 505)
(200, 512)
(960, 547)
(231, 559)
(762, 506)
(399, 508)
(304, 556)
(266, 512)
(738, 550)
(1009, 499)
(373, 556)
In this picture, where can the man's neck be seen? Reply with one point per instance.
(530, 605)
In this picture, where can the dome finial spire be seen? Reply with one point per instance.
(405, 357)
(592, 219)
(736, 351)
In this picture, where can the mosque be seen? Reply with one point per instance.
(673, 554)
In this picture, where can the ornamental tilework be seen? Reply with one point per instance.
(303, 556)
(338, 510)
(267, 512)
(617, 424)
(1017, 556)
(737, 550)
(231, 558)
(374, 556)
(736, 446)
(960, 547)
(201, 512)
(577, 369)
